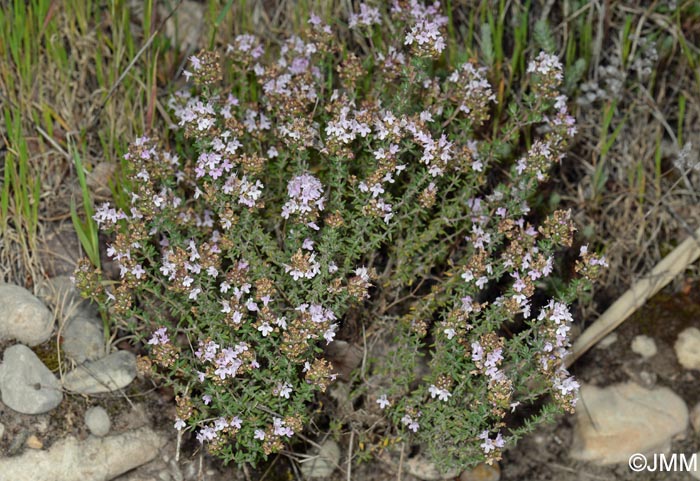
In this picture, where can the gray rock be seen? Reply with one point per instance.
(26, 384)
(59, 291)
(615, 422)
(82, 337)
(95, 459)
(23, 317)
(80, 325)
(644, 346)
(97, 421)
(687, 348)
(322, 465)
(115, 371)
(185, 27)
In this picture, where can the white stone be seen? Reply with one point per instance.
(97, 421)
(23, 317)
(113, 372)
(607, 341)
(90, 460)
(322, 465)
(615, 422)
(695, 418)
(644, 346)
(27, 385)
(687, 348)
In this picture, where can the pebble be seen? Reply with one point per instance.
(112, 372)
(607, 341)
(687, 348)
(614, 422)
(482, 472)
(97, 421)
(34, 443)
(92, 459)
(644, 346)
(322, 465)
(26, 384)
(23, 317)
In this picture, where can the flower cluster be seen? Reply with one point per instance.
(311, 196)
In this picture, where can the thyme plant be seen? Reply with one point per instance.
(310, 186)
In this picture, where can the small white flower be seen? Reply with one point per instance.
(265, 329)
(285, 390)
(383, 402)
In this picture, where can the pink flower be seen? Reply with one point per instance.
(160, 336)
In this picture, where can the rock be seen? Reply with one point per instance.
(322, 465)
(23, 317)
(81, 326)
(26, 384)
(185, 26)
(644, 346)
(687, 348)
(59, 248)
(695, 418)
(607, 341)
(59, 292)
(482, 472)
(82, 337)
(115, 371)
(420, 467)
(33, 442)
(97, 421)
(695, 473)
(2, 430)
(344, 357)
(98, 180)
(615, 422)
(93, 459)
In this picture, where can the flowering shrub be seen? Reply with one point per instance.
(311, 187)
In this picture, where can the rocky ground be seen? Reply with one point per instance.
(89, 416)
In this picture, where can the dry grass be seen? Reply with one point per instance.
(628, 196)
